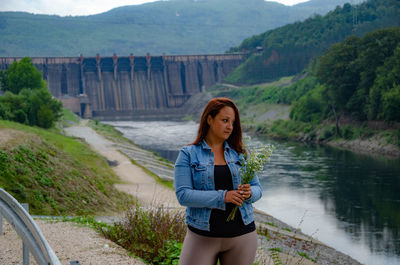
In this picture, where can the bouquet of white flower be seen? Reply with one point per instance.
(252, 164)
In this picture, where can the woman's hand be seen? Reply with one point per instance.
(235, 197)
(246, 190)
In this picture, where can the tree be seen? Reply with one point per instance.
(26, 99)
(338, 71)
(391, 104)
(387, 77)
(22, 75)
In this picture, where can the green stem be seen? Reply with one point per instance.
(232, 214)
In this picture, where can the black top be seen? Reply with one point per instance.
(219, 227)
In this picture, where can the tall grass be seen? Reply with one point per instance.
(154, 234)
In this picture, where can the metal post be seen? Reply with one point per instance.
(25, 250)
(25, 254)
(1, 225)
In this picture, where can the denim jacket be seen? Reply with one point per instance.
(195, 188)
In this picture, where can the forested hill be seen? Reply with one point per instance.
(171, 27)
(288, 49)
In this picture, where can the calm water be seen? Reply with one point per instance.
(351, 202)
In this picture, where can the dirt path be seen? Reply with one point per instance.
(135, 180)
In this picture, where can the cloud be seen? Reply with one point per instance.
(65, 7)
(79, 7)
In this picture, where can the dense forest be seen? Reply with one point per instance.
(288, 50)
(352, 91)
(171, 27)
(359, 77)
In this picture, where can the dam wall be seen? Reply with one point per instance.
(126, 87)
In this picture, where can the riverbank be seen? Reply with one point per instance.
(276, 237)
(372, 143)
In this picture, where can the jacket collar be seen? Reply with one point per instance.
(205, 145)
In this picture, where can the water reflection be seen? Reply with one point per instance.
(340, 192)
(349, 201)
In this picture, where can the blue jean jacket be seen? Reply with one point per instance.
(195, 188)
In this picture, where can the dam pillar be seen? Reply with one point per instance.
(100, 93)
(82, 77)
(115, 65)
(116, 85)
(165, 79)
(45, 71)
(132, 64)
(98, 65)
(132, 84)
(148, 61)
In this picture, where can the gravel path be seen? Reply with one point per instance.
(70, 242)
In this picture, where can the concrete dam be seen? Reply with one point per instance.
(121, 88)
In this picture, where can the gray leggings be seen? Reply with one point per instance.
(203, 250)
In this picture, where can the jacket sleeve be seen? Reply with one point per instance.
(256, 190)
(184, 188)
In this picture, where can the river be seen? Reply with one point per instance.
(350, 202)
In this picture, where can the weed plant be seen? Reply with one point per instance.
(154, 234)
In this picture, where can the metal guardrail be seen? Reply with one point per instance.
(33, 240)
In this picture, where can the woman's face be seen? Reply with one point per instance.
(221, 126)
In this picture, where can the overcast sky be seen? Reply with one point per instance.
(79, 7)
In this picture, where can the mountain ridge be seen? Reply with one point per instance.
(171, 27)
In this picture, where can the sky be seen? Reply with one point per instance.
(80, 7)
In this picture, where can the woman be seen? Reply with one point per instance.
(207, 181)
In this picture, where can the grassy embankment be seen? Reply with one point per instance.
(265, 110)
(59, 175)
(55, 174)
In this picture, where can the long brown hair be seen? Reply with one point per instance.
(212, 108)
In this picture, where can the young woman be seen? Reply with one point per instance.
(207, 181)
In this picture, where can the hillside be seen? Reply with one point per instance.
(171, 27)
(287, 50)
(55, 174)
(349, 97)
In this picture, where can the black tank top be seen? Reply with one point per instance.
(219, 227)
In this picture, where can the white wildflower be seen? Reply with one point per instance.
(251, 165)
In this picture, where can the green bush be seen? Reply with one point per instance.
(170, 254)
(154, 235)
(327, 133)
(347, 132)
(45, 117)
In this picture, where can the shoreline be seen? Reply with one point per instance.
(281, 233)
(369, 147)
